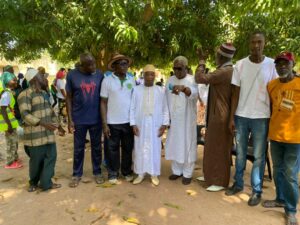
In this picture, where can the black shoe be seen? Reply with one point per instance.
(186, 181)
(233, 190)
(174, 177)
(254, 199)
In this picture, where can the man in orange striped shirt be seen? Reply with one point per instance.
(284, 133)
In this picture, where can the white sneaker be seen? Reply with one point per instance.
(155, 180)
(129, 178)
(113, 181)
(138, 180)
(215, 188)
(201, 178)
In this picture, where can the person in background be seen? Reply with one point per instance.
(60, 85)
(22, 82)
(8, 122)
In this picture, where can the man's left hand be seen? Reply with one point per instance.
(177, 89)
(161, 130)
(61, 131)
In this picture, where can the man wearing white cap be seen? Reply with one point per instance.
(40, 122)
(149, 118)
(218, 139)
(181, 144)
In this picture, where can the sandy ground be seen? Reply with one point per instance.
(167, 204)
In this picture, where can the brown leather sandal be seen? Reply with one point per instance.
(75, 181)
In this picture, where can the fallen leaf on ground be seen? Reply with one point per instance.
(172, 205)
(69, 211)
(131, 220)
(8, 179)
(120, 203)
(191, 192)
(132, 195)
(106, 185)
(92, 210)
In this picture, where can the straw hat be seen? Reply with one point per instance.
(117, 57)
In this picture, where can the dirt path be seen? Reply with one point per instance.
(167, 204)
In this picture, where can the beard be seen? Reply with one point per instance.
(285, 75)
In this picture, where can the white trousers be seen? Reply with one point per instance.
(185, 169)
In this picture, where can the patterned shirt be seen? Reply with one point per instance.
(35, 108)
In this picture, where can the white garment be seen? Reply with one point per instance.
(181, 144)
(148, 101)
(185, 169)
(252, 78)
(147, 146)
(21, 81)
(203, 92)
(5, 99)
(119, 98)
(60, 85)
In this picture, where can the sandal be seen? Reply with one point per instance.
(291, 219)
(32, 188)
(75, 181)
(272, 204)
(55, 186)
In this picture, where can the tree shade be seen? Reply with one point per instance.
(149, 31)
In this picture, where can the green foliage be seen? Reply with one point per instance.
(150, 31)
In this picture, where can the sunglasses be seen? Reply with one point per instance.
(177, 68)
(121, 63)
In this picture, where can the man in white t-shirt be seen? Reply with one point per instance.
(116, 91)
(250, 113)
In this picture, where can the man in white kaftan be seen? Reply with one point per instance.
(149, 117)
(181, 144)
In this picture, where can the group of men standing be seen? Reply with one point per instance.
(250, 102)
(242, 99)
(132, 117)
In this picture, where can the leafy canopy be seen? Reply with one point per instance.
(150, 31)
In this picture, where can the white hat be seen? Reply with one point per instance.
(30, 74)
(182, 59)
(149, 68)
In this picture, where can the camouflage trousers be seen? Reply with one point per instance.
(2, 145)
(11, 147)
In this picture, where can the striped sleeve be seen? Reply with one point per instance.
(24, 102)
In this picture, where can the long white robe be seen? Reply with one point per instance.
(181, 144)
(147, 146)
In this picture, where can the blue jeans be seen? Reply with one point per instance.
(286, 158)
(259, 131)
(79, 146)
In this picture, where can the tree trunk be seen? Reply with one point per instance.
(102, 59)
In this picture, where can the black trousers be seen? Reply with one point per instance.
(79, 146)
(120, 134)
